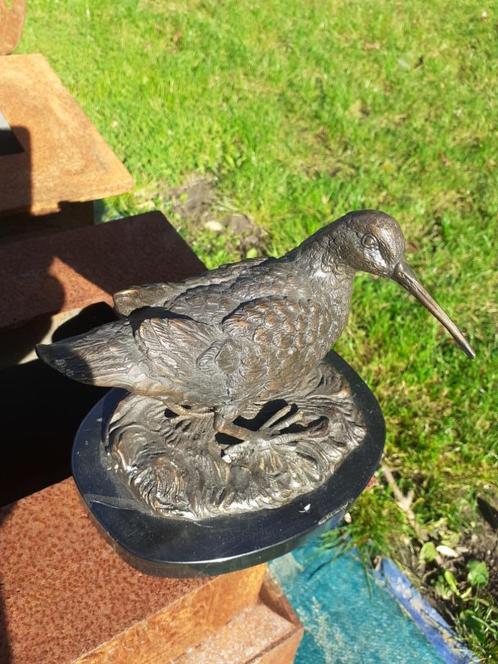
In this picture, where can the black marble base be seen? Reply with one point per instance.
(168, 547)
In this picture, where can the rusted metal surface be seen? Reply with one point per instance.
(67, 596)
(11, 24)
(64, 158)
(67, 270)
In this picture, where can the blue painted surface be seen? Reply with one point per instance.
(427, 619)
(349, 617)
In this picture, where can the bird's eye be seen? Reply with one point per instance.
(369, 241)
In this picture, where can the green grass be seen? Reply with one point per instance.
(301, 111)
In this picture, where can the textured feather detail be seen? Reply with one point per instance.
(159, 295)
(182, 353)
(150, 295)
(277, 336)
(106, 356)
(222, 354)
(267, 320)
(159, 339)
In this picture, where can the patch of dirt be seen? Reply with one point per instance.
(483, 545)
(199, 205)
(249, 236)
(194, 200)
(480, 545)
(456, 571)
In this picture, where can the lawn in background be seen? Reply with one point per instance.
(286, 114)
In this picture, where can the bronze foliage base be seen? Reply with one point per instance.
(179, 467)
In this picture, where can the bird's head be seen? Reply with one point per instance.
(368, 241)
(372, 241)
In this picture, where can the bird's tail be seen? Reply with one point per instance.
(105, 356)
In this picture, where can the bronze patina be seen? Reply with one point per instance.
(233, 405)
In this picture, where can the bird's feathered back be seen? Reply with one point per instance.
(159, 295)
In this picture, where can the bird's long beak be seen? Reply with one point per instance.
(406, 277)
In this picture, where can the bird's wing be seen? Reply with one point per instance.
(106, 356)
(170, 343)
(192, 357)
(159, 295)
(283, 322)
(151, 352)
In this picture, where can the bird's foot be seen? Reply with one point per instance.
(273, 432)
(260, 442)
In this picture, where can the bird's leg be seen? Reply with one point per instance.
(185, 413)
(283, 421)
(223, 425)
(230, 429)
(270, 433)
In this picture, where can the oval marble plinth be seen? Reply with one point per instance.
(179, 548)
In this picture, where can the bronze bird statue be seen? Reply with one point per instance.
(213, 344)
